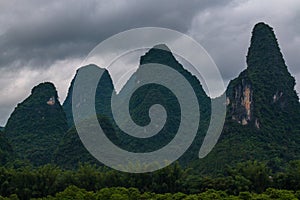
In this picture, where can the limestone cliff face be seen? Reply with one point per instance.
(242, 109)
(240, 102)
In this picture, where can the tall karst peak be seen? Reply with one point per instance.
(266, 88)
(264, 48)
(163, 47)
(263, 112)
(37, 125)
(44, 88)
(160, 54)
(104, 90)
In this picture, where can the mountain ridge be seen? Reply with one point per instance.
(262, 122)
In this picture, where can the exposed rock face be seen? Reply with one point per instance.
(51, 101)
(241, 109)
(240, 102)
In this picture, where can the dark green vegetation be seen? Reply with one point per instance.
(141, 100)
(6, 152)
(257, 156)
(249, 180)
(71, 150)
(37, 125)
(103, 95)
(263, 111)
(161, 54)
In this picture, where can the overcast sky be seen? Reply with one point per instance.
(47, 40)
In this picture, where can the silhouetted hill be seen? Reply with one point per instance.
(140, 102)
(37, 125)
(263, 118)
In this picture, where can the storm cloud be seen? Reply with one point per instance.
(37, 34)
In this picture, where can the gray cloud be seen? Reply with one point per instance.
(42, 33)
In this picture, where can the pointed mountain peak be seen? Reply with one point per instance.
(104, 89)
(262, 25)
(89, 67)
(264, 34)
(36, 125)
(266, 65)
(264, 50)
(266, 86)
(46, 88)
(163, 47)
(159, 54)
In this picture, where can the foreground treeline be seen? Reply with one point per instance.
(121, 193)
(247, 180)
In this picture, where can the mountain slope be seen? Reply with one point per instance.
(263, 110)
(266, 88)
(37, 125)
(71, 149)
(6, 151)
(151, 94)
(102, 99)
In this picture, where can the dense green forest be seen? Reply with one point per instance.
(248, 180)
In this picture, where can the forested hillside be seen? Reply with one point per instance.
(37, 125)
(263, 111)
